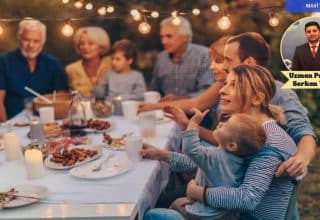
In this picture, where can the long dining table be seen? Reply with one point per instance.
(126, 196)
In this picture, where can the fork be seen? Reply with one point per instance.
(99, 166)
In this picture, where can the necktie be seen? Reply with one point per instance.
(313, 51)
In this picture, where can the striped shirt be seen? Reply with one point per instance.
(261, 195)
(189, 77)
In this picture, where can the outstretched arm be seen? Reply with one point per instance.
(205, 100)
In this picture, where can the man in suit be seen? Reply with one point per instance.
(307, 56)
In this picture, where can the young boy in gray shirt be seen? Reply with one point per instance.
(122, 80)
(241, 136)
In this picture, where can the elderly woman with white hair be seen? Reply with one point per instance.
(92, 44)
(28, 66)
(182, 69)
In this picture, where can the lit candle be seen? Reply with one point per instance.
(12, 146)
(34, 163)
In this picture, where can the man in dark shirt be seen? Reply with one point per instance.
(307, 56)
(28, 66)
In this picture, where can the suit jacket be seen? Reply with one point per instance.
(303, 59)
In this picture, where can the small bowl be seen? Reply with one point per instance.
(102, 109)
(61, 106)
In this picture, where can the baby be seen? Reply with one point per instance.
(238, 138)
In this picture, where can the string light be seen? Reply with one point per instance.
(134, 12)
(215, 8)
(196, 11)
(137, 17)
(67, 29)
(273, 20)
(174, 14)
(154, 14)
(102, 11)
(110, 9)
(224, 22)
(65, 1)
(78, 4)
(89, 6)
(144, 27)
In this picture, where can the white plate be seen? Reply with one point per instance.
(114, 167)
(59, 166)
(38, 192)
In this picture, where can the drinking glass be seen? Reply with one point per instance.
(147, 121)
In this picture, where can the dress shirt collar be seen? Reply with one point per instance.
(185, 53)
(317, 45)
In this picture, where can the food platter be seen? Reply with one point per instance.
(114, 167)
(81, 154)
(18, 196)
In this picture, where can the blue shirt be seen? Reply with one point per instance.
(189, 77)
(15, 75)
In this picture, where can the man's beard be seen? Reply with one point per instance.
(30, 55)
(314, 41)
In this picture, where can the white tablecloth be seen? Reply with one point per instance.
(141, 185)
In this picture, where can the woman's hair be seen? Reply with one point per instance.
(127, 47)
(184, 27)
(248, 134)
(31, 24)
(96, 34)
(259, 81)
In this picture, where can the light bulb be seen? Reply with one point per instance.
(155, 14)
(274, 21)
(137, 17)
(134, 12)
(174, 13)
(176, 21)
(78, 4)
(1, 30)
(215, 8)
(89, 6)
(224, 23)
(67, 30)
(65, 1)
(144, 27)
(110, 9)
(196, 11)
(102, 11)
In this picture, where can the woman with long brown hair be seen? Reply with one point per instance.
(261, 195)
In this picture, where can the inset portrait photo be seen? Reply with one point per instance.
(300, 45)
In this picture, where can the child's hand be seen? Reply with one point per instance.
(178, 115)
(196, 118)
(150, 152)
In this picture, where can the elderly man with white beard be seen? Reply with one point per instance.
(28, 66)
